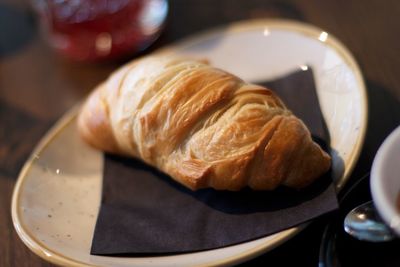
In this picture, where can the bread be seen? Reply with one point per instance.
(202, 126)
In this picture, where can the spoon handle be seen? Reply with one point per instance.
(343, 195)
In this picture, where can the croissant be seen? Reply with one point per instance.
(202, 126)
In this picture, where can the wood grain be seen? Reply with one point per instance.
(37, 87)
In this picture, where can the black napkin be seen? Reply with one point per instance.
(144, 212)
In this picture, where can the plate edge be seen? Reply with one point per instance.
(32, 243)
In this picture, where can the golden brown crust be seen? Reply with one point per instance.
(93, 121)
(202, 126)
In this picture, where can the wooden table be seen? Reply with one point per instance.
(37, 87)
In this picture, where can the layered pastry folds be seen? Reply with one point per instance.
(202, 126)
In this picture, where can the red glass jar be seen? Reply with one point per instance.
(92, 30)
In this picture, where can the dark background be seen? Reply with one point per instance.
(37, 87)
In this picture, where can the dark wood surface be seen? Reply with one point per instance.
(37, 87)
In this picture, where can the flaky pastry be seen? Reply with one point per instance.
(202, 126)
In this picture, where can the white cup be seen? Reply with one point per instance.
(385, 180)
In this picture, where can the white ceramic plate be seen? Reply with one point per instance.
(57, 196)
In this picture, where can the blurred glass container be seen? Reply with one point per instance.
(95, 30)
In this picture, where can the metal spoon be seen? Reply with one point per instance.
(364, 223)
